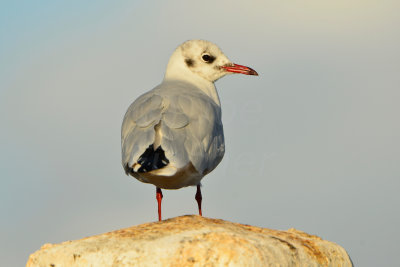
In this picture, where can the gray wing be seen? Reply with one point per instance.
(201, 140)
(137, 131)
(190, 128)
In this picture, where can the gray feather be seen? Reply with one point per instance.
(191, 127)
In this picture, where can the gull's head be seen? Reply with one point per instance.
(199, 58)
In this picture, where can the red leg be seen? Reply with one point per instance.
(159, 197)
(198, 198)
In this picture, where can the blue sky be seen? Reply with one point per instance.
(312, 143)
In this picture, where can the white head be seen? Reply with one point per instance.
(196, 59)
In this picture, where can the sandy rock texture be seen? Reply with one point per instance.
(193, 241)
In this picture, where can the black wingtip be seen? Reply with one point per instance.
(152, 159)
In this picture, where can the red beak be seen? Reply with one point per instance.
(240, 69)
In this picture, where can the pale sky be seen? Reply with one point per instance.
(312, 143)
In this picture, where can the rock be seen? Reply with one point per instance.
(193, 241)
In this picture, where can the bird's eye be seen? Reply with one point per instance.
(207, 58)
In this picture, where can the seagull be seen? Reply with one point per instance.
(172, 136)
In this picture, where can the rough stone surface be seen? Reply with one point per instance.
(193, 241)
